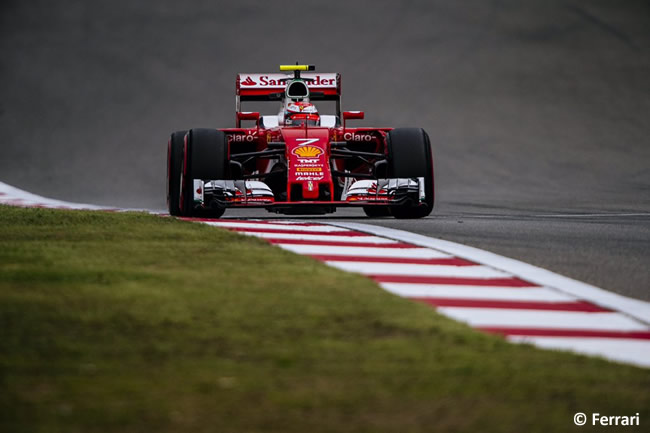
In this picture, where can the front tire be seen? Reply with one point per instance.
(411, 156)
(174, 169)
(204, 157)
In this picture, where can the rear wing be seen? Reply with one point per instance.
(270, 87)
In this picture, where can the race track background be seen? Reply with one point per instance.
(538, 110)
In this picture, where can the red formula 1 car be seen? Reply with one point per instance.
(299, 161)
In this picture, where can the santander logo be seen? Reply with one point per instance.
(280, 80)
(248, 82)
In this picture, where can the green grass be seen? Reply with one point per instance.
(134, 323)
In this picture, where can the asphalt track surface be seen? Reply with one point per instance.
(539, 111)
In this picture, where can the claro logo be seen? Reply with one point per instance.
(238, 138)
(350, 136)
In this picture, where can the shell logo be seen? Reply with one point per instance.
(307, 151)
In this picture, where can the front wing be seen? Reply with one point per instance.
(221, 194)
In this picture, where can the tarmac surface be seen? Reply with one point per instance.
(538, 111)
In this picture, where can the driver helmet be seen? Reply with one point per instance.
(300, 114)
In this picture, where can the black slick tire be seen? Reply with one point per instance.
(174, 169)
(410, 156)
(204, 157)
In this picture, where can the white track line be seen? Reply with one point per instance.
(17, 197)
(568, 215)
(542, 277)
(274, 226)
(369, 268)
(534, 294)
(12, 196)
(333, 238)
(617, 349)
(343, 251)
(592, 215)
(503, 317)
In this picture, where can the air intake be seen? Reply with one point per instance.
(297, 90)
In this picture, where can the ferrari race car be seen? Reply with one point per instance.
(299, 161)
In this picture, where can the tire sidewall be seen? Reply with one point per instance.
(174, 169)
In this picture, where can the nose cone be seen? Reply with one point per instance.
(308, 163)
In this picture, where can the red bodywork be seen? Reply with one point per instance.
(310, 160)
(307, 153)
(279, 166)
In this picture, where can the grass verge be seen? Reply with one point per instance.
(135, 323)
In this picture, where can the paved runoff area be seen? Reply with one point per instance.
(489, 292)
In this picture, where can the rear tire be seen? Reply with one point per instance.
(411, 156)
(204, 157)
(174, 169)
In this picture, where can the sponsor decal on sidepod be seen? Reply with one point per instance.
(242, 137)
(350, 136)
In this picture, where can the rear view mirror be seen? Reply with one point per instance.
(248, 115)
(350, 115)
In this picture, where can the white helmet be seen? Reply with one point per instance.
(301, 113)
